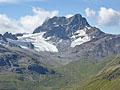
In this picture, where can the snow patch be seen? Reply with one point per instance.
(56, 25)
(80, 41)
(40, 44)
(24, 47)
(88, 27)
(80, 37)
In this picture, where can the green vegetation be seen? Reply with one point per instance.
(107, 79)
(78, 75)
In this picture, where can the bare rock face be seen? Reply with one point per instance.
(62, 27)
(10, 36)
(12, 59)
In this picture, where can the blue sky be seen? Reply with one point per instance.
(104, 14)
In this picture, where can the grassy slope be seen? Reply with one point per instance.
(70, 74)
(76, 72)
(16, 82)
(107, 79)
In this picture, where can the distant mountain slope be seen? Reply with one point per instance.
(67, 39)
(17, 60)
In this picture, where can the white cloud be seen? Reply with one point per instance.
(19, 1)
(108, 17)
(40, 15)
(9, 25)
(26, 23)
(89, 12)
(7, 1)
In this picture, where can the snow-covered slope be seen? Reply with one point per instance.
(44, 44)
(40, 44)
(80, 37)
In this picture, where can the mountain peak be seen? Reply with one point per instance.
(10, 36)
(77, 16)
(63, 26)
(79, 20)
